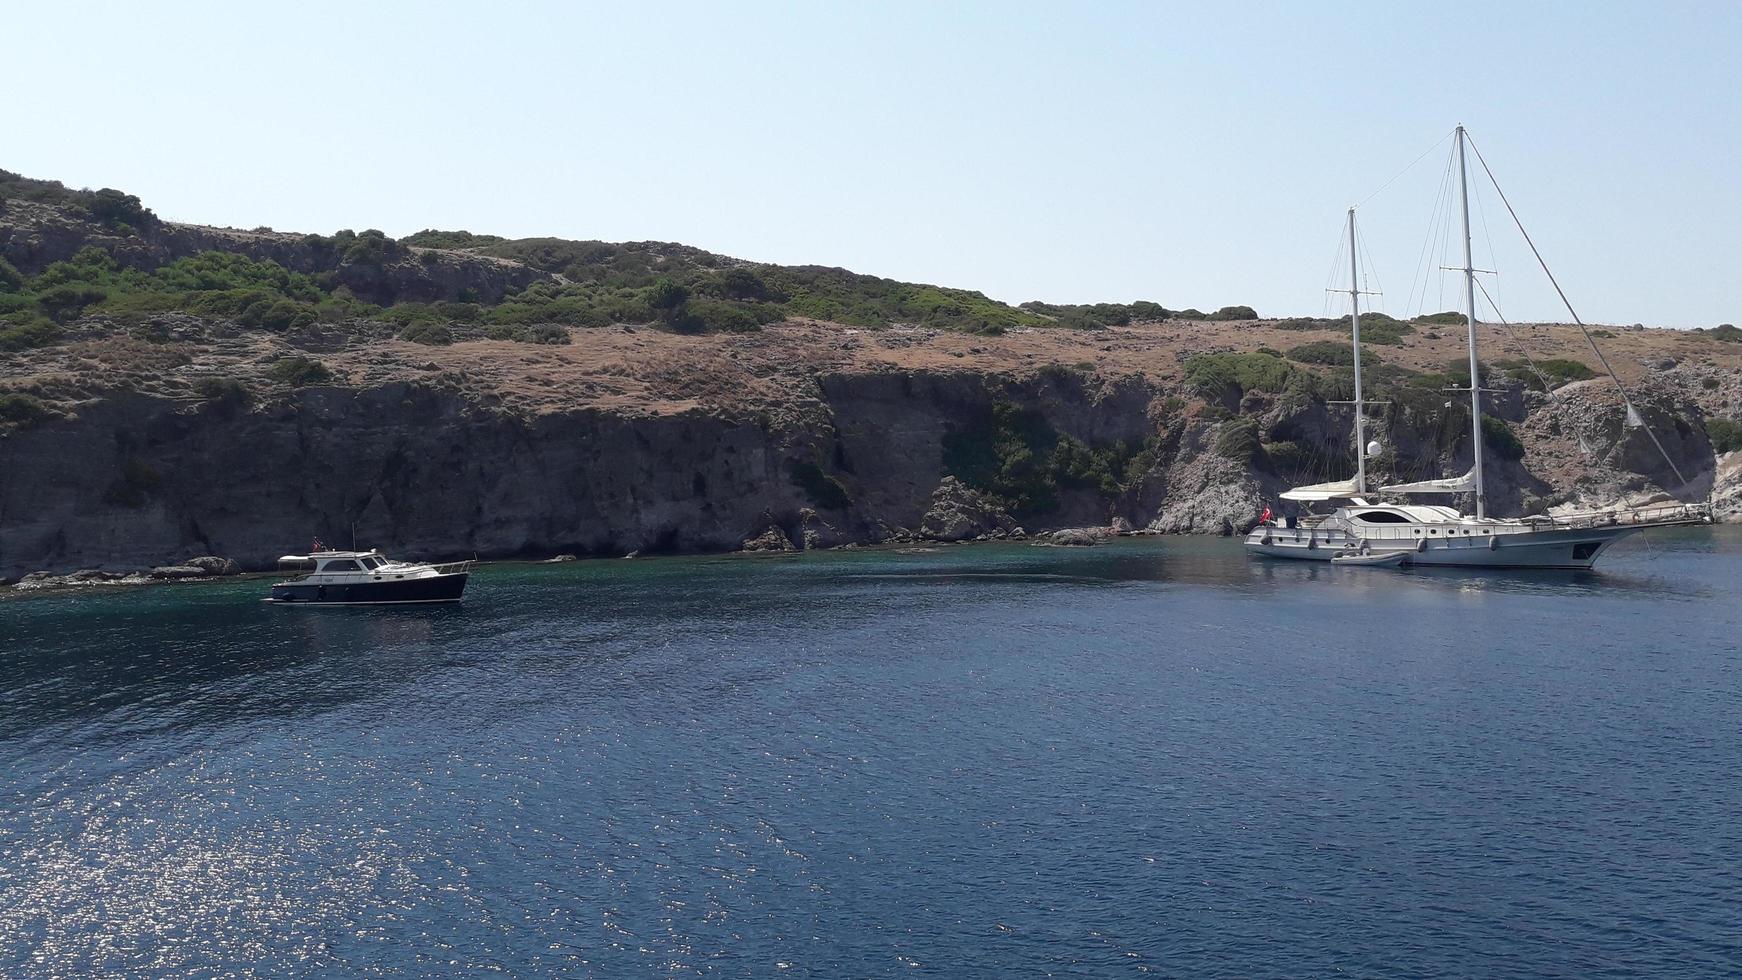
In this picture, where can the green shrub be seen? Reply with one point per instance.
(1095, 315)
(1078, 465)
(10, 279)
(227, 391)
(23, 331)
(1377, 328)
(66, 302)
(681, 320)
(1448, 318)
(113, 208)
(824, 491)
(738, 283)
(1710, 383)
(1237, 439)
(528, 333)
(459, 312)
(1555, 370)
(1234, 313)
(667, 296)
(1323, 352)
(1015, 456)
(1725, 435)
(1228, 376)
(366, 248)
(430, 334)
(1310, 323)
(228, 270)
(252, 308)
(278, 316)
(21, 410)
(1004, 452)
(1498, 438)
(731, 317)
(431, 238)
(297, 371)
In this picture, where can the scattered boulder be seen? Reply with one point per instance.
(818, 533)
(177, 572)
(559, 558)
(213, 565)
(1071, 537)
(1077, 537)
(1727, 488)
(38, 580)
(961, 513)
(772, 539)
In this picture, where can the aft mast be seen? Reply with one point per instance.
(1355, 330)
(1470, 313)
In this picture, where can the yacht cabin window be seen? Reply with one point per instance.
(341, 565)
(1382, 517)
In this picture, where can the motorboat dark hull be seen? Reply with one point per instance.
(429, 588)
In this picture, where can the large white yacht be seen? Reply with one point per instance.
(1363, 528)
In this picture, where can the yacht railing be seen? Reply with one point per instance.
(453, 567)
(1653, 514)
(1313, 525)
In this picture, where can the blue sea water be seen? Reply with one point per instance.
(1155, 757)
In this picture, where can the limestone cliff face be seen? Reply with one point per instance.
(136, 480)
(418, 470)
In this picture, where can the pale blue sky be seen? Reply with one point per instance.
(1194, 155)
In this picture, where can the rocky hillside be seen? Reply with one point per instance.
(169, 391)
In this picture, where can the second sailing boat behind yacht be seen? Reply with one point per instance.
(1418, 534)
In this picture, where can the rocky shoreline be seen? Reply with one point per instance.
(209, 568)
(201, 567)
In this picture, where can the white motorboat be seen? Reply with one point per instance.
(350, 578)
(1364, 523)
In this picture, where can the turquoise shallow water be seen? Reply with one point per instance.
(1153, 757)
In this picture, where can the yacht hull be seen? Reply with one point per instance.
(1561, 548)
(428, 588)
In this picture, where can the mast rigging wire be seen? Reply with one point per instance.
(1626, 400)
